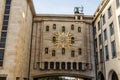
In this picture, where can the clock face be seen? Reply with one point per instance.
(63, 40)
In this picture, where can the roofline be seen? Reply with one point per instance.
(32, 8)
(100, 8)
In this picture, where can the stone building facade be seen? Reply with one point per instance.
(62, 45)
(39, 45)
(107, 40)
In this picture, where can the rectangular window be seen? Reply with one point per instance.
(1, 54)
(117, 3)
(105, 34)
(113, 49)
(2, 78)
(119, 21)
(79, 51)
(111, 28)
(4, 27)
(96, 58)
(95, 43)
(94, 30)
(100, 39)
(101, 56)
(109, 12)
(98, 25)
(103, 19)
(6, 17)
(106, 52)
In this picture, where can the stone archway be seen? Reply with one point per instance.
(101, 76)
(113, 75)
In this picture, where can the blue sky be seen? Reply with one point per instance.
(65, 6)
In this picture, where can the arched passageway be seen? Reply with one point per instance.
(101, 76)
(113, 75)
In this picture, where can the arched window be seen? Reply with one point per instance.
(72, 40)
(79, 51)
(46, 50)
(68, 66)
(53, 52)
(54, 26)
(79, 29)
(63, 28)
(47, 28)
(54, 39)
(74, 66)
(63, 50)
(57, 65)
(46, 65)
(63, 65)
(72, 27)
(72, 53)
(51, 65)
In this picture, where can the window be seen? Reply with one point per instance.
(111, 29)
(74, 66)
(8, 2)
(80, 66)
(46, 50)
(6, 17)
(63, 50)
(99, 25)
(119, 21)
(96, 43)
(51, 65)
(94, 30)
(68, 66)
(63, 28)
(100, 39)
(106, 52)
(109, 12)
(4, 27)
(79, 29)
(72, 27)
(54, 39)
(105, 34)
(113, 49)
(72, 40)
(2, 78)
(2, 44)
(57, 65)
(7, 11)
(3, 34)
(101, 56)
(54, 26)
(46, 65)
(1, 54)
(17, 78)
(72, 53)
(79, 51)
(5, 22)
(103, 18)
(117, 3)
(53, 52)
(96, 57)
(47, 28)
(63, 65)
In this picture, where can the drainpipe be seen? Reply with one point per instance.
(30, 51)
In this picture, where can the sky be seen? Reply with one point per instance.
(65, 6)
